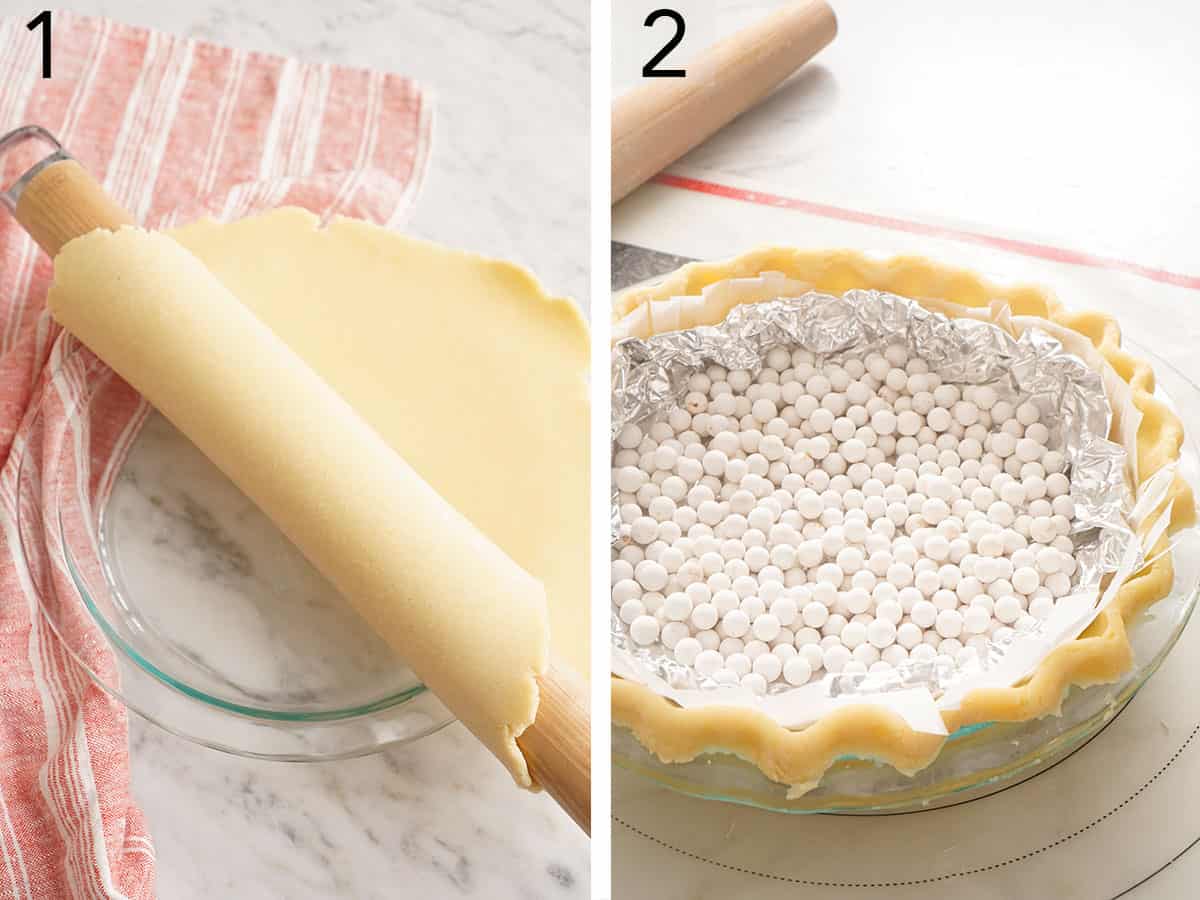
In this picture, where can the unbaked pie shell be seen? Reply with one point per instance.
(1101, 654)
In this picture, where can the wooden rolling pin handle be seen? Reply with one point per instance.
(557, 746)
(662, 119)
(63, 202)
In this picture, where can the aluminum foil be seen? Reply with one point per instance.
(649, 378)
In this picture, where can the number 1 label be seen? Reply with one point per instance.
(38, 21)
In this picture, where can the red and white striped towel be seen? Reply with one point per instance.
(175, 129)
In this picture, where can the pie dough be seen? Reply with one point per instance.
(300, 359)
(1101, 654)
(464, 364)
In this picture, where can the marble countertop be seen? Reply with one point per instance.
(1068, 122)
(1073, 120)
(438, 818)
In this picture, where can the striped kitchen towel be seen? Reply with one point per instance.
(174, 129)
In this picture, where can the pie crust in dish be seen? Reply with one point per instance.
(1101, 654)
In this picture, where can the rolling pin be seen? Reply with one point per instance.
(169, 337)
(663, 118)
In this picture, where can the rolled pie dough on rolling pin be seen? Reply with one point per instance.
(463, 364)
(469, 620)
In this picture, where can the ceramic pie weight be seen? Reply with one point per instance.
(367, 521)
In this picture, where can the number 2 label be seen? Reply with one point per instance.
(650, 70)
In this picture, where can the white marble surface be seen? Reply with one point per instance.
(508, 165)
(1073, 119)
(439, 818)
(1068, 121)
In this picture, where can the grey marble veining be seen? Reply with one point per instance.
(436, 819)
(196, 563)
(507, 177)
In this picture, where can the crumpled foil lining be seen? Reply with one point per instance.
(649, 378)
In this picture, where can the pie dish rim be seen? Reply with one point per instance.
(799, 758)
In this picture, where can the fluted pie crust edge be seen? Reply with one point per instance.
(1101, 654)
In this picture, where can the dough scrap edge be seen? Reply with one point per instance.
(1101, 654)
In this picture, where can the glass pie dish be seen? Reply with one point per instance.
(219, 630)
(979, 759)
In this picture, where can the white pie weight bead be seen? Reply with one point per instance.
(837, 516)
